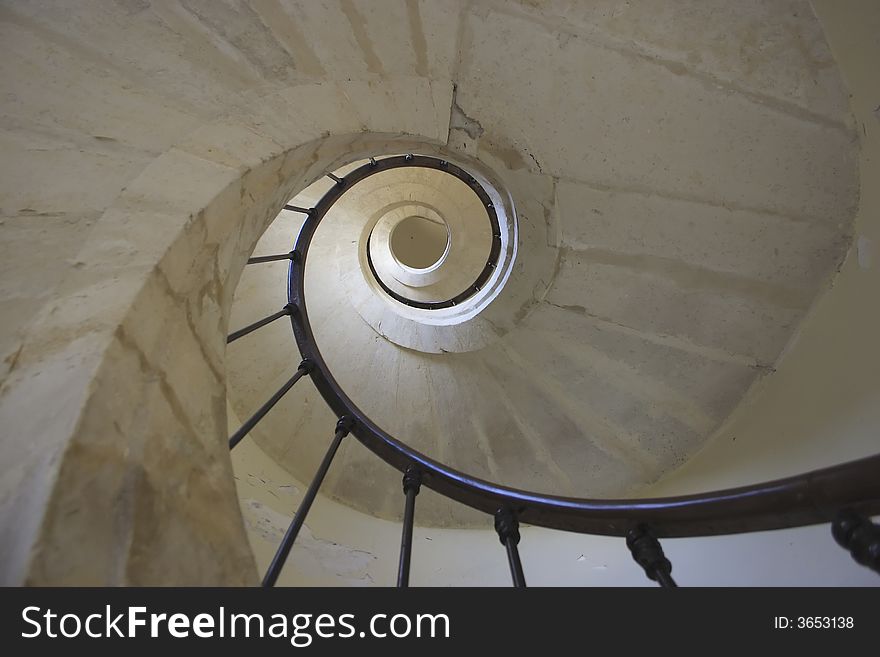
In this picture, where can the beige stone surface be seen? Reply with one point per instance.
(146, 147)
(821, 406)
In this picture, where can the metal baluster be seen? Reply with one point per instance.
(648, 553)
(343, 427)
(507, 526)
(294, 208)
(304, 368)
(270, 258)
(240, 333)
(860, 536)
(336, 179)
(412, 482)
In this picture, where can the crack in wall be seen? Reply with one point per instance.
(458, 120)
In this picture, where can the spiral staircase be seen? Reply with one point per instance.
(595, 269)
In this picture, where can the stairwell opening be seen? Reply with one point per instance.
(434, 238)
(419, 243)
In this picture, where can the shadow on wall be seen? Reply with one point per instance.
(132, 465)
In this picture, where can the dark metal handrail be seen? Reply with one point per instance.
(809, 498)
(838, 493)
(478, 284)
(494, 251)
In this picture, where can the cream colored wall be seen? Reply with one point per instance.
(667, 252)
(419, 242)
(822, 405)
(146, 146)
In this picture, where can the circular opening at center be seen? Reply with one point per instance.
(419, 242)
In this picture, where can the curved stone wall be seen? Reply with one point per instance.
(686, 201)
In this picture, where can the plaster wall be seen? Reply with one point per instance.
(819, 407)
(147, 146)
(822, 404)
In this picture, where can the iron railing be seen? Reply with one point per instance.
(845, 495)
